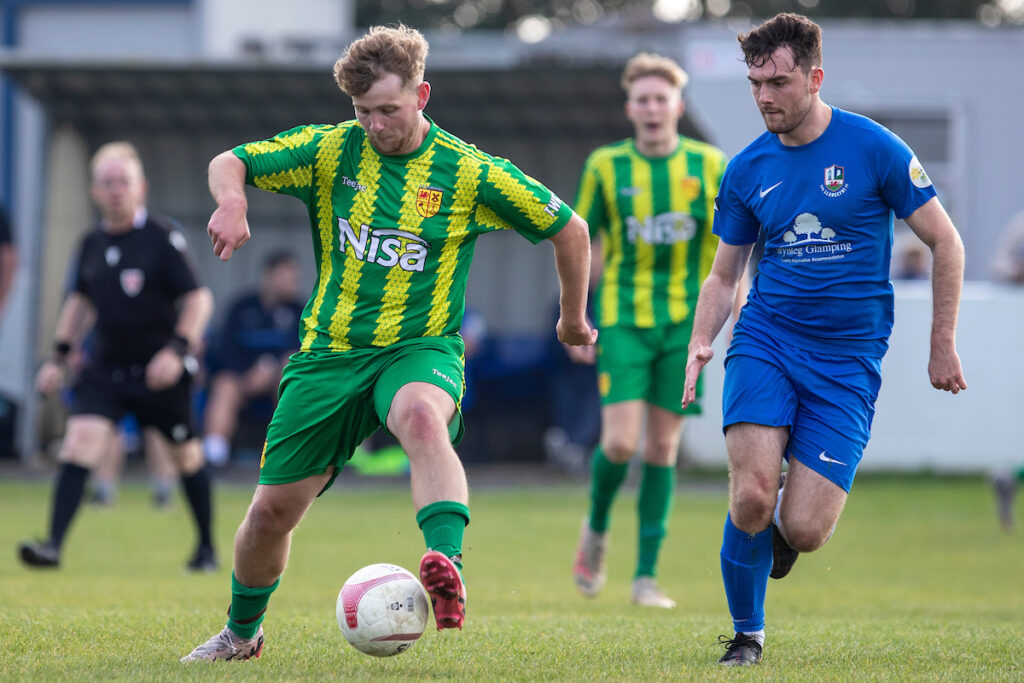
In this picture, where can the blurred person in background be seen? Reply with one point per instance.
(1008, 264)
(649, 202)
(396, 205)
(803, 369)
(246, 356)
(135, 281)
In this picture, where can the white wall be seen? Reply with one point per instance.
(917, 427)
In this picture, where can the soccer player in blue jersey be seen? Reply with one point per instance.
(803, 370)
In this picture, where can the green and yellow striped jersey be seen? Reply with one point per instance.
(393, 236)
(654, 218)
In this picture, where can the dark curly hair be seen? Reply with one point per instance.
(795, 31)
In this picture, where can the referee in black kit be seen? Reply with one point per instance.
(135, 286)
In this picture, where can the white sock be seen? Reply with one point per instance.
(216, 448)
(756, 635)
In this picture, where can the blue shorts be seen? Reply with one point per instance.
(827, 401)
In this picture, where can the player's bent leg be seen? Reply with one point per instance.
(264, 537)
(810, 507)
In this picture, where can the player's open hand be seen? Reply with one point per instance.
(164, 369)
(945, 371)
(575, 334)
(699, 357)
(228, 230)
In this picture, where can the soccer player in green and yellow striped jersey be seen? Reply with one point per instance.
(395, 207)
(649, 202)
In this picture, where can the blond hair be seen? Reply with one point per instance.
(649, 64)
(116, 150)
(398, 50)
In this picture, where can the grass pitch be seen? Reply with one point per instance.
(918, 583)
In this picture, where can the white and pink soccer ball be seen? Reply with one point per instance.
(382, 610)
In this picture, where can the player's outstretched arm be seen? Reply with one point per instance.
(933, 226)
(572, 261)
(714, 305)
(228, 227)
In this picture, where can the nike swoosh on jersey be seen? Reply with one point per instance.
(825, 458)
(764, 193)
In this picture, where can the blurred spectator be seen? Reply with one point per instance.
(246, 357)
(574, 406)
(8, 259)
(911, 260)
(134, 443)
(1008, 264)
(1005, 486)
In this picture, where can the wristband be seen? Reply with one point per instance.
(178, 344)
(61, 349)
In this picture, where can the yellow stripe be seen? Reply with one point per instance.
(328, 155)
(643, 278)
(520, 196)
(290, 141)
(396, 287)
(714, 167)
(466, 183)
(610, 256)
(678, 308)
(361, 214)
(293, 177)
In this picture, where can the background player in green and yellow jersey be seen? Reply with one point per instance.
(649, 202)
(395, 206)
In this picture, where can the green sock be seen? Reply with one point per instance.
(248, 607)
(605, 480)
(654, 503)
(443, 524)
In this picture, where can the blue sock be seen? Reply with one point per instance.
(746, 562)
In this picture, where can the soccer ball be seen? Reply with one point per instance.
(382, 610)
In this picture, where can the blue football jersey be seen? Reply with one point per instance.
(825, 211)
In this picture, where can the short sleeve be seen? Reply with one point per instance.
(520, 202)
(283, 163)
(734, 222)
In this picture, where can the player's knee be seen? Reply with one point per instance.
(419, 421)
(806, 537)
(619, 448)
(752, 505)
(268, 517)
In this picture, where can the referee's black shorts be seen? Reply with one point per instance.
(112, 391)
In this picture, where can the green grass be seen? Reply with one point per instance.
(918, 583)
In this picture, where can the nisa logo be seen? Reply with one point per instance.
(665, 228)
(387, 248)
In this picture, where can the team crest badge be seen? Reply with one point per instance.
(834, 178)
(690, 188)
(132, 280)
(428, 201)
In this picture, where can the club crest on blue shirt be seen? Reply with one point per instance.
(835, 181)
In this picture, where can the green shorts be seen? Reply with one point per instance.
(328, 402)
(647, 364)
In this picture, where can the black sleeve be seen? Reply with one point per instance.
(181, 272)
